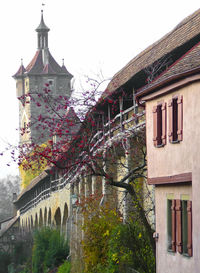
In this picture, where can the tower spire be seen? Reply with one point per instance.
(42, 31)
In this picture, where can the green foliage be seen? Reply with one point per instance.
(27, 267)
(129, 247)
(34, 163)
(64, 268)
(98, 225)
(110, 246)
(49, 250)
(5, 260)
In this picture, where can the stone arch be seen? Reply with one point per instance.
(45, 216)
(57, 218)
(64, 219)
(36, 221)
(40, 219)
(49, 218)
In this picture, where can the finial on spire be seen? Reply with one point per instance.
(63, 61)
(21, 61)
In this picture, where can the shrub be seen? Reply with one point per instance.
(5, 260)
(49, 250)
(98, 225)
(129, 247)
(64, 268)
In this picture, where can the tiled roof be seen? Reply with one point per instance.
(55, 66)
(10, 224)
(188, 63)
(20, 72)
(185, 31)
(34, 182)
(48, 69)
(36, 65)
(64, 70)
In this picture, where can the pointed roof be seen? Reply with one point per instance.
(20, 72)
(42, 27)
(71, 122)
(36, 64)
(48, 69)
(43, 62)
(64, 69)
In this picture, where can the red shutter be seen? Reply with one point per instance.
(164, 123)
(170, 125)
(180, 118)
(178, 226)
(189, 217)
(173, 225)
(155, 129)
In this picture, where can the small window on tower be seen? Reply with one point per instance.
(51, 82)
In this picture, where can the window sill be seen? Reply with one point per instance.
(175, 141)
(170, 251)
(160, 146)
(186, 255)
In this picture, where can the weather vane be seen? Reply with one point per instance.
(43, 4)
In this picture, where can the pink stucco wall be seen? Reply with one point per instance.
(173, 159)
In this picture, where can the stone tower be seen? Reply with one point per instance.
(42, 70)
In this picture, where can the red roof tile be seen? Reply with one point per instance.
(20, 72)
(36, 65)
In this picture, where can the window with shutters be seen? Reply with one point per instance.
(179, 226)
(175, 123)
(169, 225)
(184, 227)
(159, 125)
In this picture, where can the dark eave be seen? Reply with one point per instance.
(187, 65)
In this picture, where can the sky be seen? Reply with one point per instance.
(90, 35)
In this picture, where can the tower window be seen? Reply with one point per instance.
(51, 82)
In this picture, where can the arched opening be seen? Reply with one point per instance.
(49, 218)
(36, 221)
(45, 217)
(57, 218)
(22, 226)
(40, 219)
(64, 222)
(31, 222)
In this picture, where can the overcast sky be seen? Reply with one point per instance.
(91, 35)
